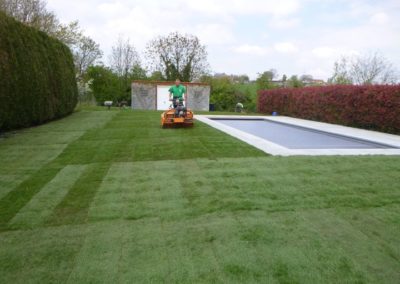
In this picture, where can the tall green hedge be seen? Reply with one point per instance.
(37, 78)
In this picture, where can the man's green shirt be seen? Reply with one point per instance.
(177, 91)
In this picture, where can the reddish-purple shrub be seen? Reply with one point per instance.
(374, 107)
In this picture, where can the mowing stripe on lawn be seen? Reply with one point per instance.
(195, 187)
(138, 190)
(379, 225)
(99, 258)
(158, 194)
(19, 162)
(17, 198)
(108, 202)
(73, 209)
(10, 181)
(40, 207)
(145, 251)
(364, 251)
(36, 156)
(43, 255)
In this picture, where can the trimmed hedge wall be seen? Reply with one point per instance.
(37, 77)
(375, 107)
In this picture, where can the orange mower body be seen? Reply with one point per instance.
(169, 118)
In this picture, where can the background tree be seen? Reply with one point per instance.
(70, 34)
(85, 52)
(104, 84)
(341, 74)
(225, 94)
(125, 63)
(372, 69)
(177, 56)
(32, 13)
(157, 76)
(294, 82)
(138, 73)
(264, 80)
(85, 92)
(363, 70)
(124, 57)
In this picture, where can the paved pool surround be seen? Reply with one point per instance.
(286, 136)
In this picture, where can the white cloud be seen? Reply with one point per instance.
(214, 34)
(111, 9)
(251, 49)
(284, 23)
(285, 47)
(324, 52)
(362, 38)
(332, 53)
(242, 7)
(379, 18)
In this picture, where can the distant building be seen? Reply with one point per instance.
(306, 83)
(151, 95)
(236, 79)
(279, 83)
(314, 82)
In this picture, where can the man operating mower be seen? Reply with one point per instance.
(179, 115)
(177, 95)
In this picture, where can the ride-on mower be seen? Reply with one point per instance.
(177, 116)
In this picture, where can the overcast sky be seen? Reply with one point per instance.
(249, 36)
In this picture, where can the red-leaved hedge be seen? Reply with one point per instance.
(375, 107)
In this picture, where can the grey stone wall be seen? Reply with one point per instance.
(198, 97)
(144, 96)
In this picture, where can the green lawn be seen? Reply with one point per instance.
(110, 197)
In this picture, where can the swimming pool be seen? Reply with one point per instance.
(289, 136)
(297, 137)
